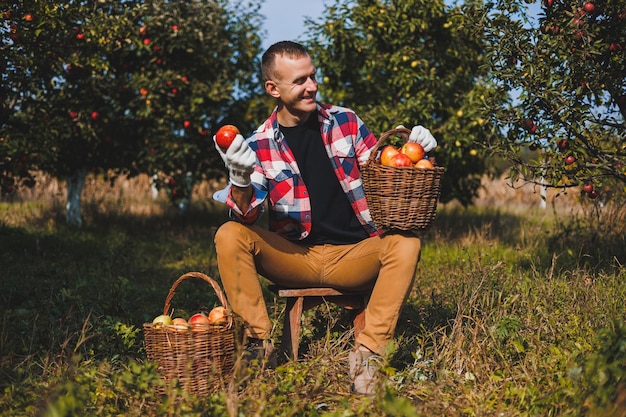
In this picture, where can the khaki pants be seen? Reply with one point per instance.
(387, 264)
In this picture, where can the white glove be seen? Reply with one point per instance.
(423, 136)
(240, 161)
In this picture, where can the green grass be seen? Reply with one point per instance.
(516, 315)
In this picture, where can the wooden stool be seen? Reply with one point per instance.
(302, 299)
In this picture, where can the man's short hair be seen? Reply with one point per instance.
(288, 48)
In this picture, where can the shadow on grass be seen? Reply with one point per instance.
(594, 240)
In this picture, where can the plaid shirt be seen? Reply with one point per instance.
(348, 143)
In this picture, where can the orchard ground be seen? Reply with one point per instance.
(517, 310)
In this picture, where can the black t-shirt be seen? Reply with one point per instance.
(333, 219)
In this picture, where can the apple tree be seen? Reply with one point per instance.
(120, 87)
(405, 62)
(563, 65)
(198, 71)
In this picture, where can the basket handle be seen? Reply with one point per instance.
(220, 294)
(402, 131)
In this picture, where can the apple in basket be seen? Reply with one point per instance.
(218, 315)
(162, 320)
(413, 150)
(424, 164)
(179, 324)
(400, 160)
(199, 322)
(386, 154)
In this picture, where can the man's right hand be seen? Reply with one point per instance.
(240, 161)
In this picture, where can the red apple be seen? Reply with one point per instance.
(80, 36)
(142, 30)
(562, 144)
(73, 115)
(146, 41)
(413, 150)
(175, 28)
(588, 188)
(186, 124)
(400, 160)
(589, 7)
(95, 115)
(179, 324)
(424, 163)
(529, 125)
(386, 154)
(198, 322)
(615, 46)
(225, 136)
(28, 17)
(218, 315)
(569, 160)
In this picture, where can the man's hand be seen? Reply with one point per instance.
(240, 161)
(423, 136)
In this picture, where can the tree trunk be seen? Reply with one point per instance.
(75, 183)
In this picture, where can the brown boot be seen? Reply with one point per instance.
(364, 366)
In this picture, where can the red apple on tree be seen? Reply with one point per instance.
(562, 144)
(225, 136)
(569, 160)
(529, 125)
(589, 7)
(588, 188)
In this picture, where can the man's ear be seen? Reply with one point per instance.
(272, 89)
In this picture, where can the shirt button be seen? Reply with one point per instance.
(307, 217)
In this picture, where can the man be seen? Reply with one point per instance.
(304, 162)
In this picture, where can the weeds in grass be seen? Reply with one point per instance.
(511, 314)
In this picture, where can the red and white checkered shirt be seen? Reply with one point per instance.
(348, 143)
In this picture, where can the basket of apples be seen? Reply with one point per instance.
(402, 185)
(197, 354)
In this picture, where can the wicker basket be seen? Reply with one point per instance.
(198, 360)
(400, 198)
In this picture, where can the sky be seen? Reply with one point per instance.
(284, 19)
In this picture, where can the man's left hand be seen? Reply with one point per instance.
(423, 136)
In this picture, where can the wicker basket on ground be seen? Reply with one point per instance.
(201, 360)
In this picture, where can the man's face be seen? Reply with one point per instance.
(294, 84)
